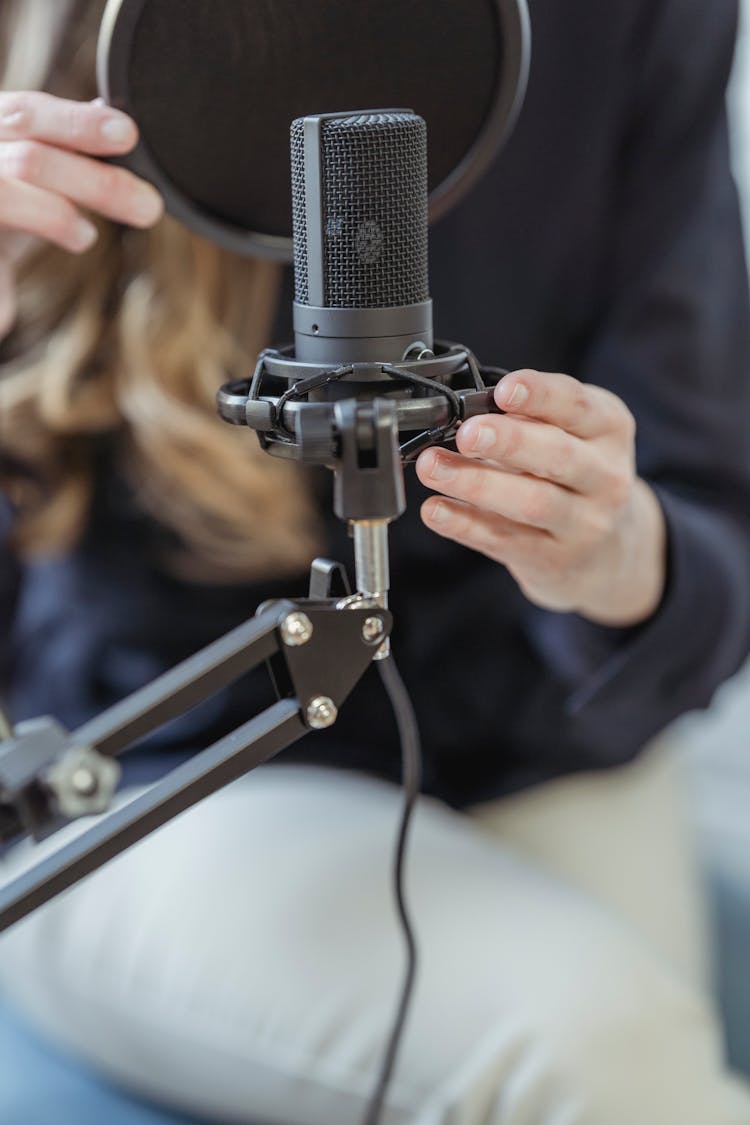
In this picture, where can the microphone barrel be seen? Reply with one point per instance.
(344, 336)
(360, 217)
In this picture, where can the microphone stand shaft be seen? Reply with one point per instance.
(372, 567)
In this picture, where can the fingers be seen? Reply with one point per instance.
(27, 208)
(579, 408)
(90, 127)
(494, 536)
(521, 499)
(112, 192)
(43, 173)
(533, 447)
(549, 489)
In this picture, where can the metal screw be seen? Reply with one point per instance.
(321, 712)
(296, 629)
(84, 782)
(373, 629)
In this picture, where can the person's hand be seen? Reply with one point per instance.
(550, 490)
(48, 179)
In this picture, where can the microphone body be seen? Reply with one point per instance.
(360, 212)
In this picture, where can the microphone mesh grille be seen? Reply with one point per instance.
(299, 213)
(374, 189)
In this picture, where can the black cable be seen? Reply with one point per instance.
(411, 766)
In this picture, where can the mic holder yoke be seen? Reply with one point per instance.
(290, 403)
(363, 420)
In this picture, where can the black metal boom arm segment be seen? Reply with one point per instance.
(316, 649)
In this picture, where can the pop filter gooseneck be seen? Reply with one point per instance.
(213, 88)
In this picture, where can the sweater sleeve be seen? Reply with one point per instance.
(673, 341)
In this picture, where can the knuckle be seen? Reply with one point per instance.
(110, 186)
(74, 121)
(458, 523)
(511, 444)
(536, 507)
(561, 459)
(16, 110)
(581, 406)
(23, 160)
(475, 486)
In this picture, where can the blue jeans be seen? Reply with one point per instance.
(39, 1086)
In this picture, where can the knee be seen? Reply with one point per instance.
(629, 1041)
(612, 1040)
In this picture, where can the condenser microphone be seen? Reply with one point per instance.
(364, 387)
(360, 217)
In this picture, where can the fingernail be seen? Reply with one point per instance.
(518, 396)
(148, 205)
(438, 513)
(442, 470)
(483, 439)
(118, 130)
(85, 235)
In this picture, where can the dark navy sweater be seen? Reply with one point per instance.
(606, 243)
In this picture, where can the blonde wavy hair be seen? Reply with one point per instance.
(128, 345)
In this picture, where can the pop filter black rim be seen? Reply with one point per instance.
(116, 39)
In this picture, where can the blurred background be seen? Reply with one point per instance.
(718, 742)
(740, 108)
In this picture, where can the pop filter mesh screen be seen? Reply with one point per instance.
(214, 86)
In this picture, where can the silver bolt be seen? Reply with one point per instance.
(296, 629)
(373, 629)
(84, 782)
(321, 712)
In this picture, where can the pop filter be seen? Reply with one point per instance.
(215, 86)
